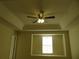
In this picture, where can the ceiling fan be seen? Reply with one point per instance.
(40, 17)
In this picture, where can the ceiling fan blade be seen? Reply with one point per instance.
(31, 17)
(35, 21)
(50, 17)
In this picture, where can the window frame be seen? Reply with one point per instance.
(64, 45)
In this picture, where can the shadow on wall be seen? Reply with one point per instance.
(6, 23)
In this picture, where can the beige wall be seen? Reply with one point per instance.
(5, 41)
(74, 40)
(23, 48)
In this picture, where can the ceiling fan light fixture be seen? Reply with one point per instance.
(40, 18)
(40, 21)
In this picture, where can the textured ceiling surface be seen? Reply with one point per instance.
(23, 8)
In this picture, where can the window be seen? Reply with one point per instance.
(47, 44)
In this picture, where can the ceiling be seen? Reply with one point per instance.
(64, 10)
